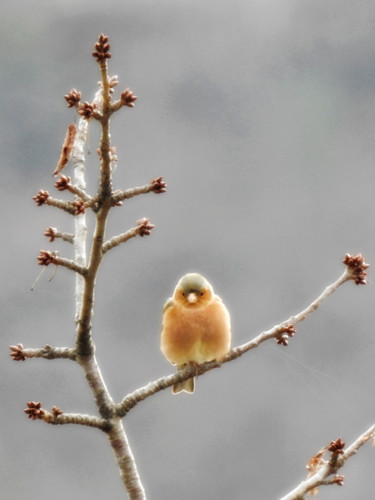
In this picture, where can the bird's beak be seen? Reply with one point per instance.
(192, 298)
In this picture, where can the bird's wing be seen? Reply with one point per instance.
(168, 304)
(217, 298)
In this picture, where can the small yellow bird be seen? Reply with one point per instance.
(196, 326)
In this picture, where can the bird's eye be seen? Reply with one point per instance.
(202, 293)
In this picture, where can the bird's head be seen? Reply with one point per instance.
(193, 291)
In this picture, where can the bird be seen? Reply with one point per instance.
(196, 327)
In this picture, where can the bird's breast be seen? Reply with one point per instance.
(195, 334)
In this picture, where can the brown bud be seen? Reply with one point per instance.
(50, 232)
(158, 185)
(102, 48)
(127, 98)
(339, 480)
(144, 227)
(34, 410)
(284, 333)
(41, 197)
(56, 411)
(73, 98)
(17, 352)
(357, 267)
(62, 182)
(45, 258)
(336, 447)
(86, 110)
(79, 206)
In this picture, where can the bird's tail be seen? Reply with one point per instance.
(187, 385)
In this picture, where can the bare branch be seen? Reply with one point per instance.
(156, 185)
(46, 258)
(70, 264)
(19, 353)
(143, 229)
(52, 233)
(75, 418)
(43, 197)
(63, 183)
(35, 411)
(280, 332)
(323, 472)
(127, 98)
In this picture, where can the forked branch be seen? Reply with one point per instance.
(324, 472)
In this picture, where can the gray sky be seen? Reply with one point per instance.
(260, 115)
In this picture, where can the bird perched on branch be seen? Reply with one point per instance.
(196, 326)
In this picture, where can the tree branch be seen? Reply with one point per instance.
(156, 186)
(64, 182)
(46, 258)
(143, 229)
(44, 198)
(280, 332)
(35, 411)
(52, 233)
(19, 353)
(323, 472)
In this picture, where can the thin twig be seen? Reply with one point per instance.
(70, 264)
(20, 353)
(67, 206)
(129, 193)
(35, 411)
(52, 233)
(77, 419)
(143, 228)
(156, 185)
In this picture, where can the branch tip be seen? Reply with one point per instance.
(46, 257)
(339, 480)
(34, 410)
(86, 110)
(158, 185)
(62, 182)
(73, 98)
(50, 232)
(144, 227)
(102, 48)
(128, 98)
(79, 206)
(336, 447)
(41, 197)
(17, 352)
(356, 267)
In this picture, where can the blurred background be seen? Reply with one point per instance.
(260, 116)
